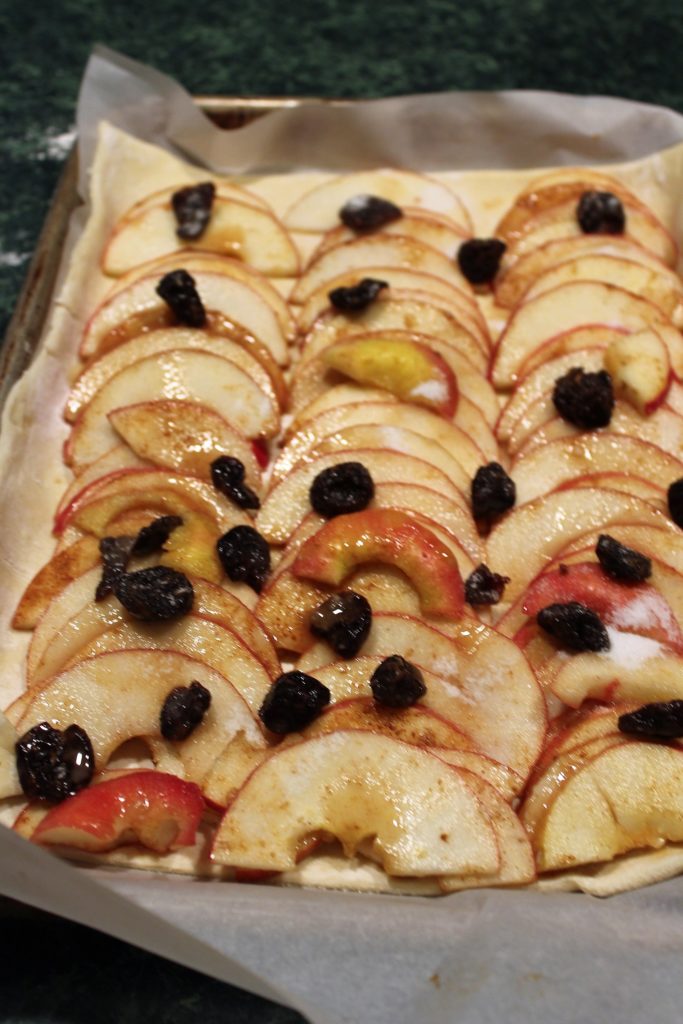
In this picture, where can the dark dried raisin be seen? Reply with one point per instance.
(493, 492)
(115, 552)
(346, 487)
(574, 626)
(192, 209)
(620, 562)
(484, 587)
(585, 400)
(479, 259)
(343, 620)
(152, 538)
(397, 683)
(358, 296)
(155, 594)
(675, 501)
(368, 213)
(227, 475)
(660, 721)
(179, 292)
(600, 213)
(245, 556)
(53, 765)
(183, 710)
(293, 702)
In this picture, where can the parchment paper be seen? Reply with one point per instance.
(475, 957)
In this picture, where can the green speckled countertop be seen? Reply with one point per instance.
(51, 971)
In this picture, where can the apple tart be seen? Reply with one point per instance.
(368, 564)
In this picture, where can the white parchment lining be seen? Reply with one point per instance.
(474, 957)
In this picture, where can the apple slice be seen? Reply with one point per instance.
(183, 436)
(558, 463)
(609, 807)
(318, 209)
(532, 534)
(9, 778)
(421, 815)
(139, 308)
(541, 195)
(119, 696)
(640, 368)
(415, 725)
(223, 188)
(56, 574)
(116, 459)
(374, 251)
(235, 228)
(430, 228)
(655, 542)
(577, 304)
(194, 376)
(157, 810)
(288, 502)
(635, 669)
(385, 535)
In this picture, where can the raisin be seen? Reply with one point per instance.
(674, 498)
(358, 296)
(368, 213)
(493, 491)
(115, 552)
(293, 702)
(479, 259)
(227, 475)
(183, 710)
(245, 556)
(346, 487)
(343, 620)
(585, 400)
(178, 291)
(53, 765)
(484, 587)
(661, 721)
(192, 209)
(620, 562)
(155, 594)
(153, 537)
(600, 213)
(575, 626)
(396, 683)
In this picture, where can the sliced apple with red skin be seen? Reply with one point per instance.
(415, 725)
(629, 797)
(289, 501)
(157, 810)
(420, 814)
(640, 368)
(490, 690)
(372, 251)
(655, 542)
(426, 227)
(533, 534)
(541, 195)
(636, 669)
(52, 578)
(578, 304)
(385, 535)
(195, 376)
(235, 228)
(318, 209)
(577, 339)
(223, 188)
(558, 463)
(183, 436)
(119, 696)
(116, 459)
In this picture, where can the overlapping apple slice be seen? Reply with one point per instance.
(9, 779)
(179, 374)
(237, 306)
(318, 209)
(437, 231)
(241, 229)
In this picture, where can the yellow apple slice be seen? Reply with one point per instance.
(235, 228)
(532, 534)
(420, 815)
(139, 308)
(640, 368)
(182, 436)
(118, 696)
(180, 375)
(573, 305)
(374, 251)
(288, 502)
(318, 209)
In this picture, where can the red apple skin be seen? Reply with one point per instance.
(81, 497)
(160, 810)
(393, 537)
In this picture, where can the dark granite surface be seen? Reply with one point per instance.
(51, 971)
